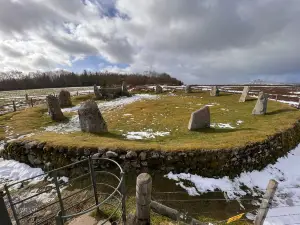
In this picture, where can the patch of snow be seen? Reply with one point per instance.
(148, 134)
(287, 197)
(127, 114)
(212, 104)
(73, 124)
(292, 103)
(239, 122)
(223, 109)
(11, 170)
(222, 125)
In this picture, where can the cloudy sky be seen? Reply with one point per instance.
(197, 41)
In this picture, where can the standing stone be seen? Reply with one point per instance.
(200, 119)
(90, 118)
(97, 92)
(188, 89)
(124, 91)
(214, 91)
(26, 97)
(244, 94)
(54, 109)
(261, 104)
(64, 98)
(158, 89)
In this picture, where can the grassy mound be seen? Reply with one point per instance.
(169, 114)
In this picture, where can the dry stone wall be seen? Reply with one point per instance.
(220, 162)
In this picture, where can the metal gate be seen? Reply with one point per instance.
(114, 198)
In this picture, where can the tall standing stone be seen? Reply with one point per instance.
(158, 89)
(90, 118)
(200, 119)
(188, 89)
(261, 104)
(97, 92)
(124, 89)
(64, 98)
(214, 91)
(54, 109)
(244, 94)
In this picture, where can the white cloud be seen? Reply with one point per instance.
(196, 41)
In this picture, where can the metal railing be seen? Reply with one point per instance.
(114, 198)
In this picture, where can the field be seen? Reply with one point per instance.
(158, 122)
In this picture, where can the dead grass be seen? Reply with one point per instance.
(172, 113)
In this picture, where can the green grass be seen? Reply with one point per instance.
(172, 113)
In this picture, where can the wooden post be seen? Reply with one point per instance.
(165, 210)
(14, 106)
(77, 93)
(26, 97)
(31, 101)
(276, 97)
(299, 104)
(5, 219)
(265, 204)
(143, 198)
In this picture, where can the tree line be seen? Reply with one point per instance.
(58, 79)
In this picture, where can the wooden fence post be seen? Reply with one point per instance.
(266, 202)
(14, 106)
(5, 219)
(26, 97)
(143, 198)
(31, 101)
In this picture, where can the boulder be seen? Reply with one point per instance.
(158, 89)
(244, 94)
(200, 119)
(261, 104)
(54, 109)
(90, 118)
(97, 92)
(64, 98)
(214, 91)
(188, 89)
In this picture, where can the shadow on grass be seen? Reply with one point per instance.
(220, 130)
(251, 100)
(281, 111)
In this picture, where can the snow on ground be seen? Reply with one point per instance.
(212, 104)
(239, 122)
(139, 135)
(222, 125)
(11, 170)
(73, 124)
(292, 103)
(286, 204)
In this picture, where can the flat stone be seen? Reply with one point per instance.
(200, 119)
(91, 119)
(131, 155)
(244, 95)
(143, 156)
(111, 154)
(261, 104)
